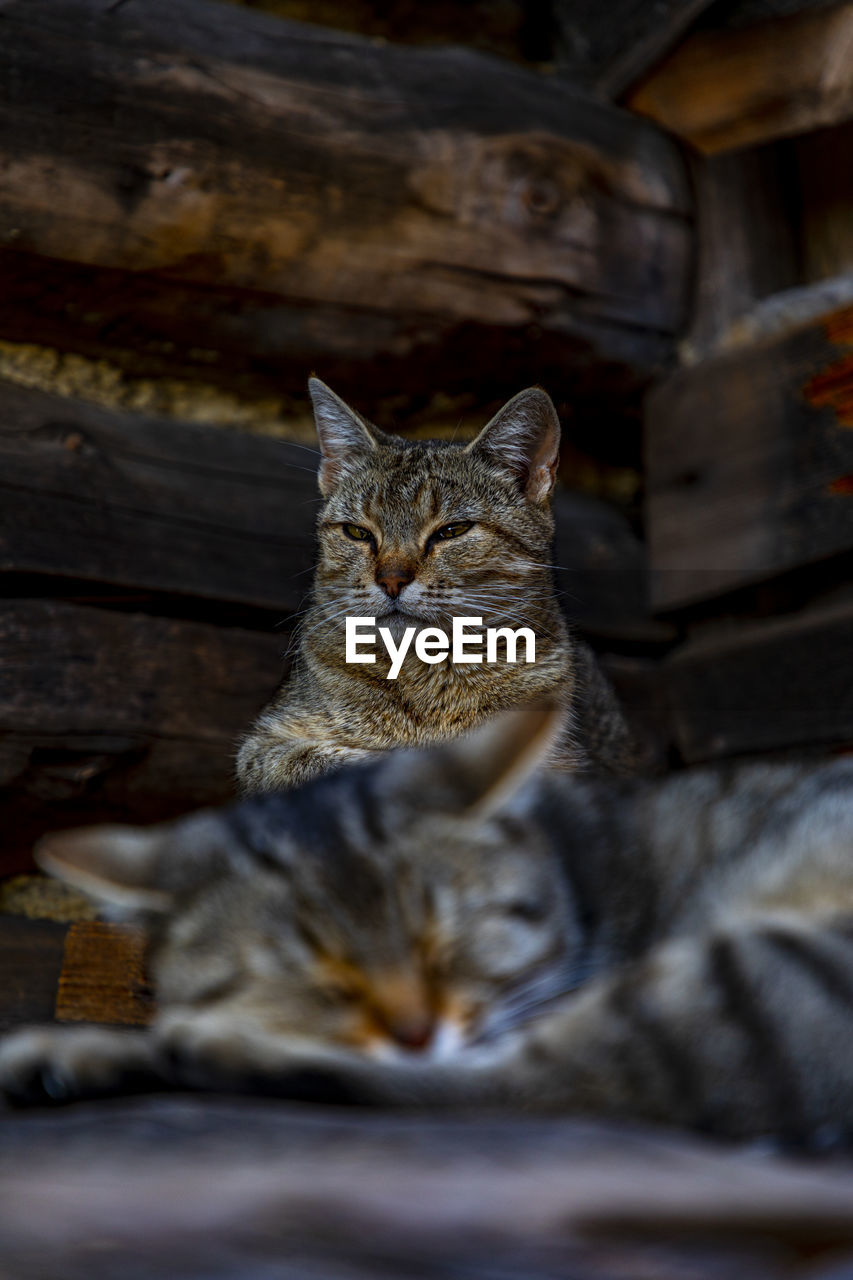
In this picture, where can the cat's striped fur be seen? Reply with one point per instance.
(441, 928)
(398, 495)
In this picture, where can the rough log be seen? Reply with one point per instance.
(141, 504)
(134, 502)
(750, 462)
(193, 188)
(107, 716)
(726, 88)
(774, 686)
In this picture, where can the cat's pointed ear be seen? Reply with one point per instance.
(343, 434)
(481, 773)
(139, 869)
(524, 438)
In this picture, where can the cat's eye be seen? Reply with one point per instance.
(527, 909)
(340, 992)
(356, 532)
(454, 530)
(341, 995)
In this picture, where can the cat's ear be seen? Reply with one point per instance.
(481, 773)
(139, 869)
(524, 438)
(343, 434)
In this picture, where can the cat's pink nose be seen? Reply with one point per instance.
(393, 578)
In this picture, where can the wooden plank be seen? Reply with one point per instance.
(107, 716)
(192, 1188)
(103, 976)
(30, 964)
(242, 199)
(786, 683)
(749, 206)
(727, 88)
(750, 462)
(825, 180)
(609, 47)
(142, 502)
(746, 13)
(89, 494)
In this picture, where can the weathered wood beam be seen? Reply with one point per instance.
(153, 504)
(781, 684)
(192, 188)
(736, 87)
(142, 504)
(750, 460)
(609, 47)
(749, 206)
(109, 716)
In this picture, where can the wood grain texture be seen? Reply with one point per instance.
(192, 187)
(748, 462)
(784, 683)
(727, 88)
(107, 716)
(192, 1188)
(749, 212)
(103, 976)
(149, 503)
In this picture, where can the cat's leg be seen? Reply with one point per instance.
(268, 761)
(59, 1064)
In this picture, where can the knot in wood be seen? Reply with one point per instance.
(541, 197)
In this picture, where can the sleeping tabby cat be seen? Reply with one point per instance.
(454, 927)
(412, 534)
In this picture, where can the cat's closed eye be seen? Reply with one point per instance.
(528, 909)
(334, 993)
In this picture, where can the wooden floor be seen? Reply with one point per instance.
(189, 1187)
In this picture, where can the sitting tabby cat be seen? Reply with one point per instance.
(413, 534)
(456, 926)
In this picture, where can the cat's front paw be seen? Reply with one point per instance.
(31, 1071)
(44, 1065)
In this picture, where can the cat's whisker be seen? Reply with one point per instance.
(292, 444)
(532, 997)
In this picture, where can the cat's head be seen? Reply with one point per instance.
(408, 905)
(433, 529)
